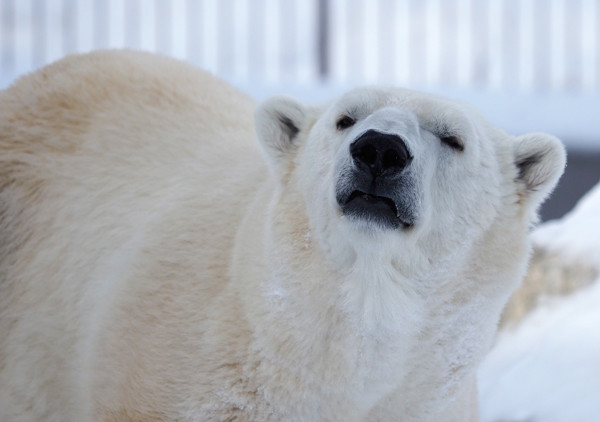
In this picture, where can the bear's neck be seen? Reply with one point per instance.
(351, 335)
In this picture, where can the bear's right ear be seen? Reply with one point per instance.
(278, 122)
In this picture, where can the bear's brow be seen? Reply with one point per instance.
(441, 128)
(353, 111)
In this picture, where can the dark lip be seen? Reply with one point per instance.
(374, 198)
(378, 199)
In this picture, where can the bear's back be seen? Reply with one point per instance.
(119, 126)
(105, 159)
(145, 91)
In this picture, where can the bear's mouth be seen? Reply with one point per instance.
(379, 209)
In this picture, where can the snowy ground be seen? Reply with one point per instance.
(548, 368)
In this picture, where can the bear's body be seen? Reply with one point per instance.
(157, 266)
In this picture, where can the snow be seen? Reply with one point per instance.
(548, 368)
(577, 235)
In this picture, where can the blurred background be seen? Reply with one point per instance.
(529, 65)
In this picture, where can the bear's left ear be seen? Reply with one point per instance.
(278, 122)
(540, 161)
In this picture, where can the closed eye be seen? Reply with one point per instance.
(344, 122)
(453, 142)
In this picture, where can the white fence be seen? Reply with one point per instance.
(498, 45)
(515, 44)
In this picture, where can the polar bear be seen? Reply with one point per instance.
(158, 263)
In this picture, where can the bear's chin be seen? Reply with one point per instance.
(378, 210)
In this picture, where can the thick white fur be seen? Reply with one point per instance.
(153, 269)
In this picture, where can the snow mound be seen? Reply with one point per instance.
(548, 368)
(577, 235)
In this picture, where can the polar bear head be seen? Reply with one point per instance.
(409, 215)
(414, 177)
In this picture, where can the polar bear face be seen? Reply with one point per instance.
(404, 173)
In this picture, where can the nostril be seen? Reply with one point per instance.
(367, 155)
(391, 158)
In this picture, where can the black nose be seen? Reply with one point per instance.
(382, 154)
